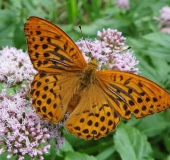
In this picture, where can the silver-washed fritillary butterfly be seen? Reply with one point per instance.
(96, 100)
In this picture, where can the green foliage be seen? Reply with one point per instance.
(137, 139)
(132, 144)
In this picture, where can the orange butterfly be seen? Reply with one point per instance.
(95, 100)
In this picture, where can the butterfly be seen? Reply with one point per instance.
(95, 100)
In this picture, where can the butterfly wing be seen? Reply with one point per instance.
(58, 60)
(128, 93)
(115, 95)
(93, 117)
(51, 49)
(51, 94)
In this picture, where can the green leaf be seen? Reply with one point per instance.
(154, 124)
(18, 35)
(132, 144)
(159, 38)
(166, 140)
(67, 146)
(52, 152)
(105, 153)
(168, 158)
(72, 10)
(78, 156)
(5, 154)
(10, 91)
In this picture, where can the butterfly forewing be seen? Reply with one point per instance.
(129, 93)
(50, 49)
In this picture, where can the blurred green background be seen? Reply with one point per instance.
(137, 139)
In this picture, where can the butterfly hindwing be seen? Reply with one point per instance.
(93, 117)
(129, 93)
(51, 94)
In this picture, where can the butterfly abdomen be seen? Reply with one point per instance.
(74, 102)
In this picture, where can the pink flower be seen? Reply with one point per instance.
(165, 13)
(125, 62)
(164, 20)
(15, 66)
(165, 30)
(124, 4)
(21, 129)
(110, 51)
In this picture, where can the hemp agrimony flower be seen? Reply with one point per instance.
(110, 51)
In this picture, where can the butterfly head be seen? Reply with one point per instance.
(93, 63)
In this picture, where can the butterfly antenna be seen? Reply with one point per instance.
(85, 40)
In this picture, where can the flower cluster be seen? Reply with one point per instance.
(56, 131)
(124, 4)
(164, 20)
(15, 66)
(110, 51)
(21, 129)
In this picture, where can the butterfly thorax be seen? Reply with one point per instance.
(88, 75)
